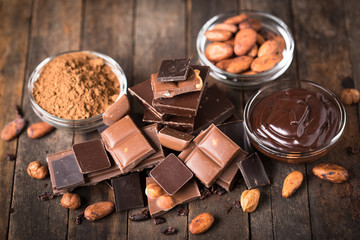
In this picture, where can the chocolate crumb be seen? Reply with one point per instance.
(237, 204)
(159, 220)
(168, 230)
(46, 196)
(183, 211)
(353, 151)
(141, 216)
(228, 209)
(11, 210)
(10, 157)
(79, 219)
(205, 193)
(46, 152)
(216, 189)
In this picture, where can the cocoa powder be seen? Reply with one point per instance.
(76, 86)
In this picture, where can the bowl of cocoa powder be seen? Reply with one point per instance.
(72, 90)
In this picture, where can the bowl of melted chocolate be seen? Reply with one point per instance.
(294, 121)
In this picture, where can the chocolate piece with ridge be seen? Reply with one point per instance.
(253, 171)
(184, 104)
(171, 174)
(173, 70)
(117, 110)
(126, 144)
(174, 139)
(128, 192)
(64, 171)
(193, 83)
(180, 123)
(209, 154)
(91, 156)
(186, 194)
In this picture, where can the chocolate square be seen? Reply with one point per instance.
(174, 139)
(128, 192)
(173, 70)
(91, 156)
(171, 174)
(253, 171)
(236, 132)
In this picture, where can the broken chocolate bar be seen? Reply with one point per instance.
(117, 110)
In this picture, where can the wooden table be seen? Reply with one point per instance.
(138, 34)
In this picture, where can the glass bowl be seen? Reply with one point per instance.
(269, 22)
(288, 155)
(81, 125)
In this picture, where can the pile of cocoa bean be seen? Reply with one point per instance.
(241, 45)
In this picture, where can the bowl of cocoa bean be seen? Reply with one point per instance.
(294, 121)
(245, 49)
(72, 90)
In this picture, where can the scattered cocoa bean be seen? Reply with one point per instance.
(13, 128)
(141, 216)
(168, 230)
(331, 172)
(291, 183)
(201, 223)
(39, 129)
(98, 210)
(159, 220)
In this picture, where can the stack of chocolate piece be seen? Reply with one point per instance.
(177, 97)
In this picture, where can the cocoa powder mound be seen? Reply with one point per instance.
(76, 86)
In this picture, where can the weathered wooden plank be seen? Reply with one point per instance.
(55, 28)
(107, 28)
(325, 58)
(13, 52)
(159, 35)
(283, 218)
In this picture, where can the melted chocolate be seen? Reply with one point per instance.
(295, 120)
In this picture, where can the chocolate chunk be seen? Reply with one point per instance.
(127, 191)
(253, 171)
(141, 216)
(159, 220)
(209, 154)
(126, 144)
(45, 196)
(173, 70)
(168, 230)
(11, 210)
(216, 189)
(177, 122)
(183, 211)
(171, 174)
(117, 110)
(79, 219)
(174, 139)
(10, 157)
(205, 193)
(91, 156)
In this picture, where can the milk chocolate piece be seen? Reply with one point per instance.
(184, 104)
(126, 144)
(128, 192)
(186, 194)
(193, 83)
(253, 171)
(171, 174)
(145, 96)
(214, 108)
(174, 139)
(209, 154)
(117, 110)
(91, 156)
(174, 70)
(236, 132)
(150, 132)
(64, 171)
(180, 123)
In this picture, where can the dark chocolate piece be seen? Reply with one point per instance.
(180, 123)
(236, 132)
(193, 83)
(126, 144)
(66, 173)
(145, 96)
(140, 216)
(117, 110)
(209, 154)
(184, 104)
(174, 139)
(91, 156)
(174, 70)
(171, 174)
(128, 192)
(214, 108)
(253, 171)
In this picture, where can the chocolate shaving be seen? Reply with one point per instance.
(79, 219)
(228, 209)
(205, 193)
(141, 216)
(168, 230)
(10, 157)
(216, 189)
(46, 196)
(237, 204)
(159, 220)
(183, 211)
(353, 151)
